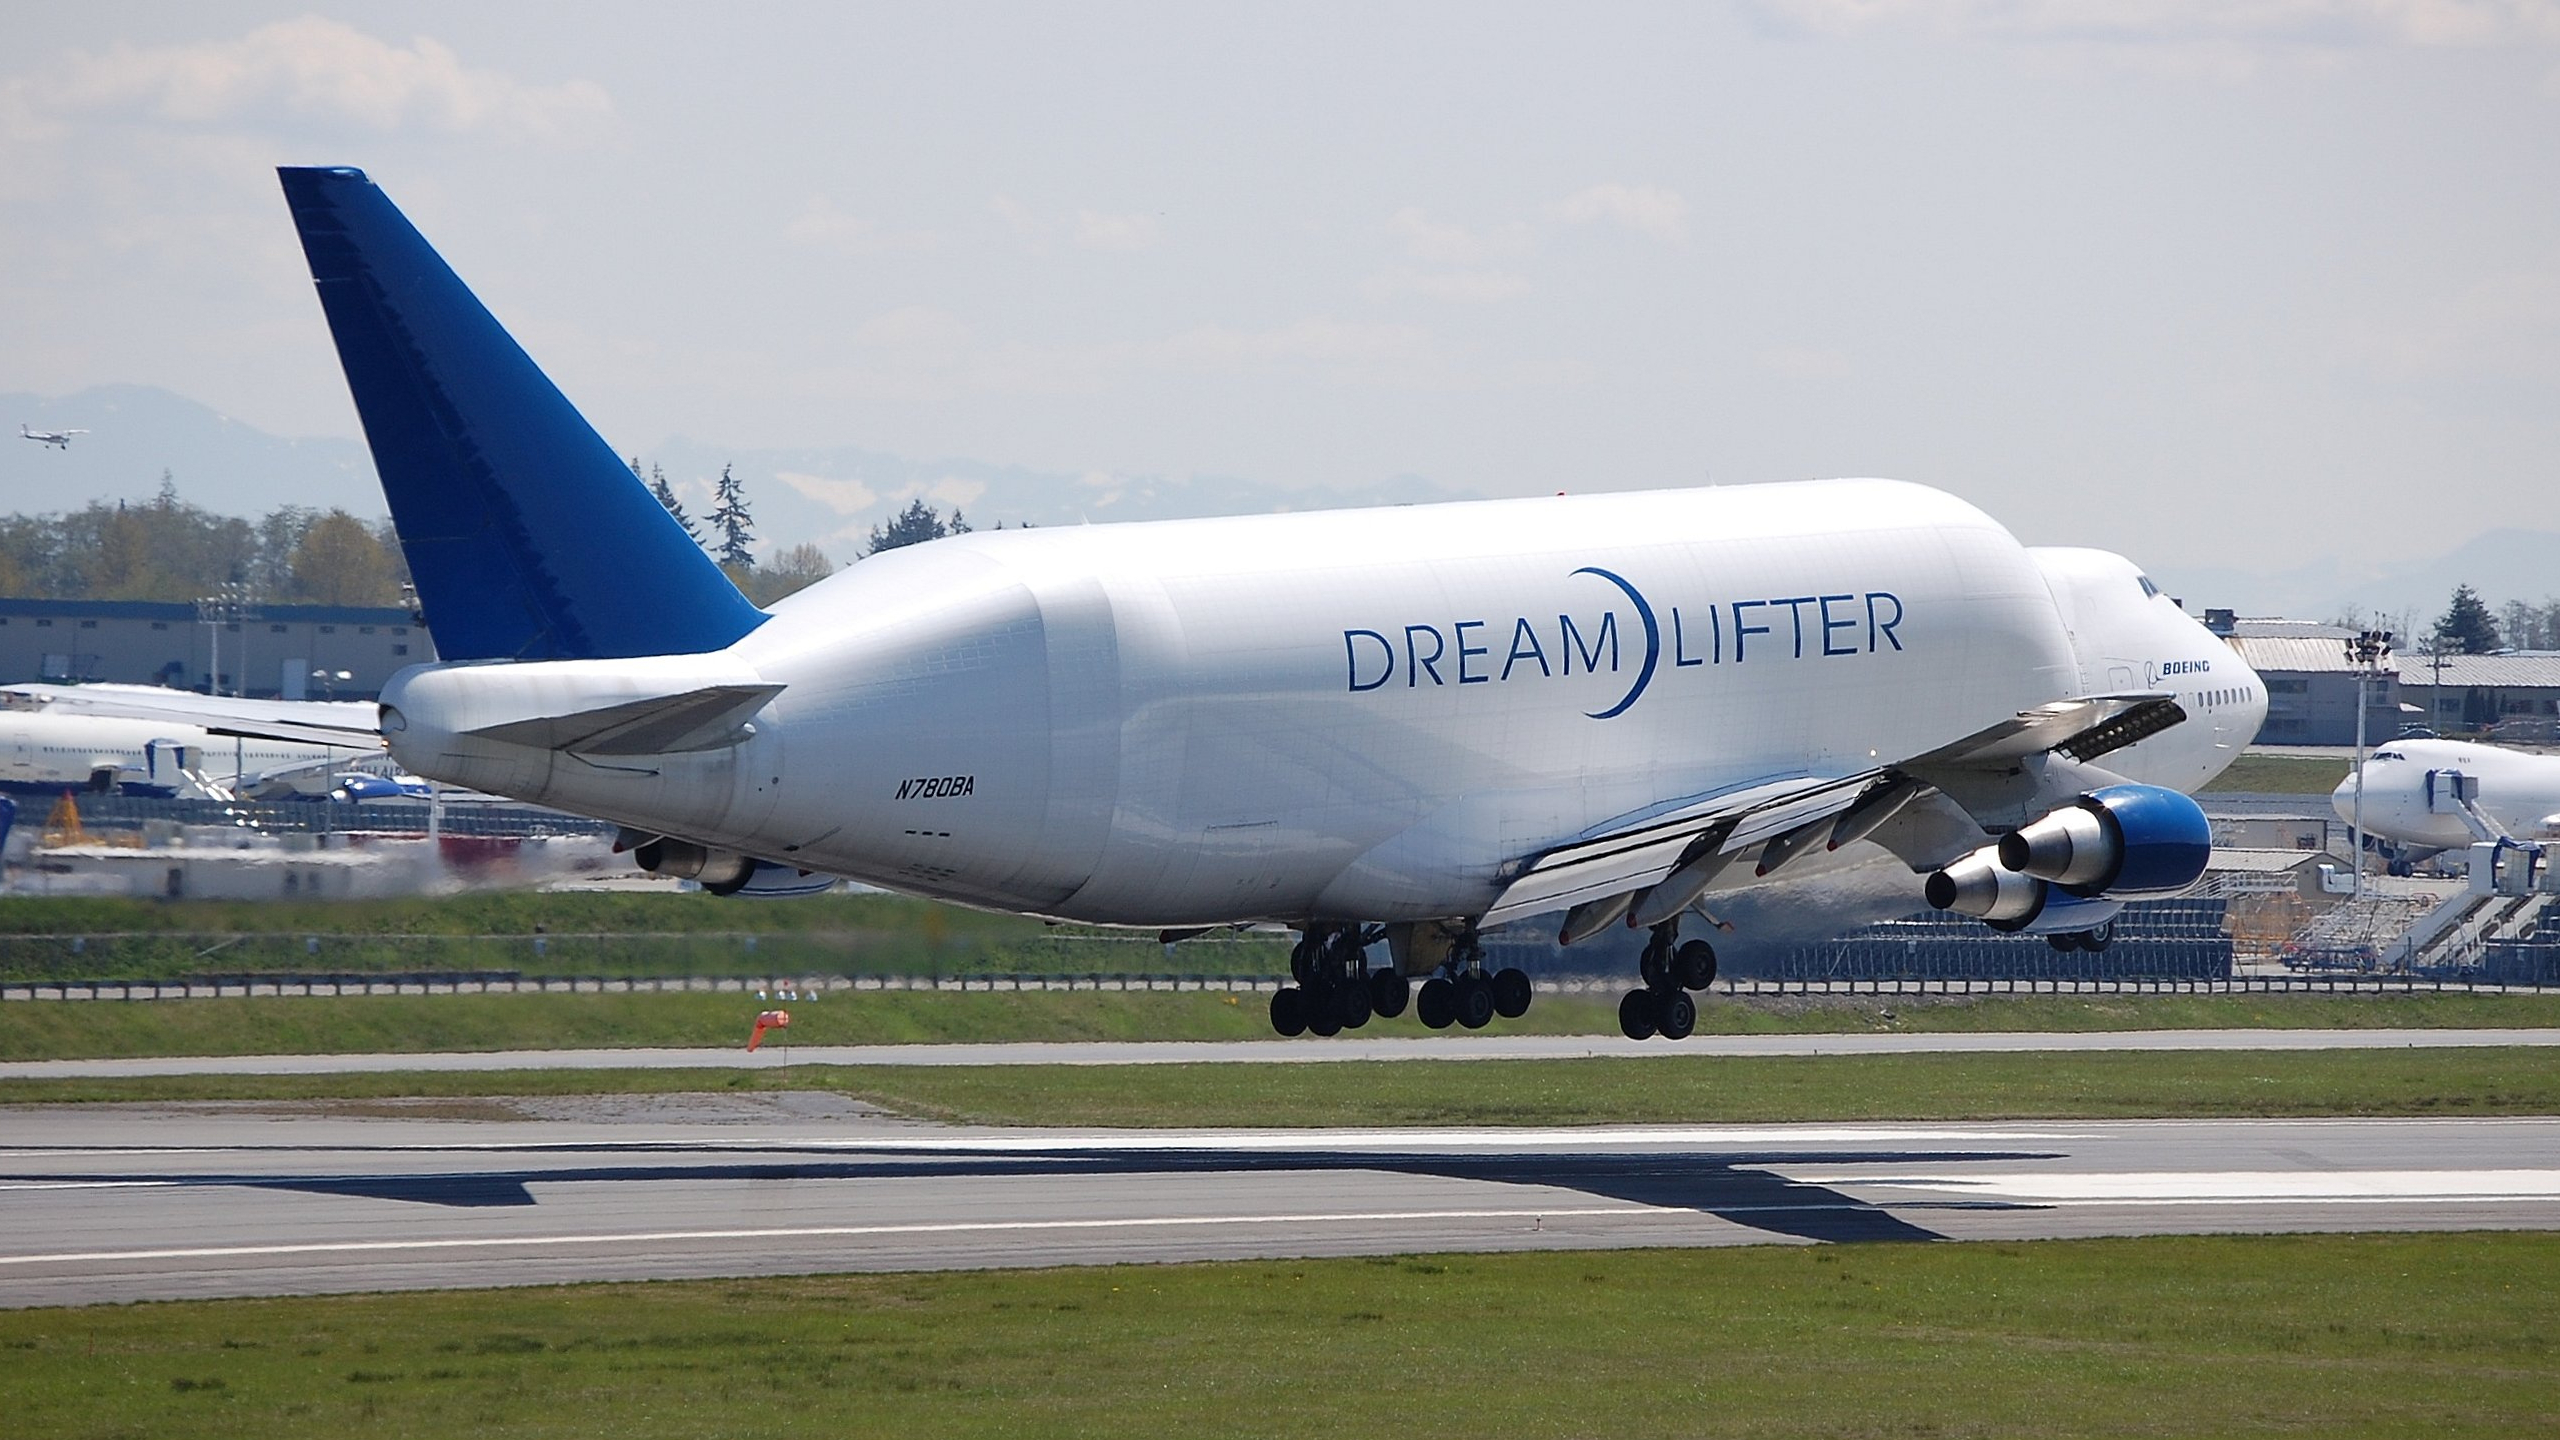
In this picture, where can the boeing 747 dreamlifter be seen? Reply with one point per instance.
(1406, 725)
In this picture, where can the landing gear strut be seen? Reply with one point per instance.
(1671, 969)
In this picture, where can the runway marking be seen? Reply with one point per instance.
(954, 1227)
(2249, 1187)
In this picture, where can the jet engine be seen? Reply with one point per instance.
(2072, 869)
(1980, 886)
(722, 872)
(2126, 842)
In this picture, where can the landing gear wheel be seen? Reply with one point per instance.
(1302, 960)
(2065, 941)
(1475, 1001)
(1389, 993)
(2097, 938)
(1351, 1004)
(1636, 1015)
(1324, 1013)
(1675, 1014)
(1655, 967)
(1437, 1005)
(1695, 961)
(1511, 993)
(1289, 1010)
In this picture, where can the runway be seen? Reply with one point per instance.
(115, 1203)
(1424, 1046)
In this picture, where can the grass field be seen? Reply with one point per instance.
(2441, 1335)
(1696, 1089)
(2256, 773)
(412, 1024)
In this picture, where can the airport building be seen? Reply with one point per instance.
(2311, 684)
(2513, 697)
(290, 652)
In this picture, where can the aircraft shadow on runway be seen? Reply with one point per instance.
(1734, 1186)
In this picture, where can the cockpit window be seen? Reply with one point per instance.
(2149, 590)
(2389, 755)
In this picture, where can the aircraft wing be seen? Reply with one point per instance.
(1633, 856)
(348, 724)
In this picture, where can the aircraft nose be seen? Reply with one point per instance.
(2343, 799)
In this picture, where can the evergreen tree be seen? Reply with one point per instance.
(914, 525)
(2466, 628)
(666, 494)
(737, 528)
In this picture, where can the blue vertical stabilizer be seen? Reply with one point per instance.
(528, 538)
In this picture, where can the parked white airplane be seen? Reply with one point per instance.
(58, 439)
(2425, 796)
(1404, 724)
(49, 750)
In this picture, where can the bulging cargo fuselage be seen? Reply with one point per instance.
(1358, 715)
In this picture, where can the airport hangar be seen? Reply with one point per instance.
(288, 652)
(2311, 687)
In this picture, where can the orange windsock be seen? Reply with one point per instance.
(769, 1020)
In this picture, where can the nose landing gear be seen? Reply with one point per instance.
(1670, 969)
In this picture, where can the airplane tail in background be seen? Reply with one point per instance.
(529, 539)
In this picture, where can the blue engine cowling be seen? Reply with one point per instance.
(2125, 842)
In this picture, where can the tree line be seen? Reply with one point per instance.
(167, 549)
(2470, 626)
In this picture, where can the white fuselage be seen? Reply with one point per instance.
(1357, 715)
(46, 749)
(2518, 790)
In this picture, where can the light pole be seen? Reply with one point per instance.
(2366, 651)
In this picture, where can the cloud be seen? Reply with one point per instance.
(2299, 23)
(1464, 287)
(844, 497)
(821, 226)
(1648, 210)
(1092, 229)
(307, 70)
(1437, 242)
(1098, 231)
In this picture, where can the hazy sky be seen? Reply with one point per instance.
(2209, 282)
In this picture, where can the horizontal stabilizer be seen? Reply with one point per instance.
(705, 719)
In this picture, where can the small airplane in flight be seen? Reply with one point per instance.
(58, 439)
(2422, 797)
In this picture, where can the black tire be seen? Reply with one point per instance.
(1675, 1014)
(1655, 967)
(1302, 960)
(2097, 938)
(1511, 993)
(1696, 963)
(1289, 1010)
(1389, 993)
(1636, 1015)
(1475, 1001)
(1437, 1004)
(1322, 1018)
(1351, 1003)
(2065, 941)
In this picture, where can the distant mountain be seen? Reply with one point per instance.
(832, 498)
(2501, 565)
(829, 497)
(138, 431)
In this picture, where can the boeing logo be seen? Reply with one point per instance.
(1463, 652)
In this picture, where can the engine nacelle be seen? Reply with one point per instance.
(1980, 886)
(2125, 842)
(722, 872)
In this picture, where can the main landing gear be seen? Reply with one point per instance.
(1336, 990)
(1671, 969)
(2094, 939)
